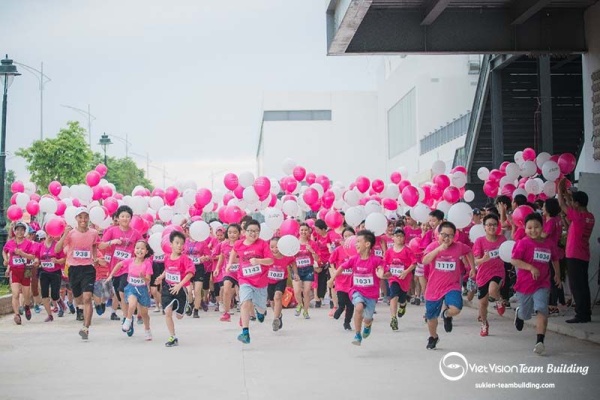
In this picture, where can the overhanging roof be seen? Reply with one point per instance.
(456, 26)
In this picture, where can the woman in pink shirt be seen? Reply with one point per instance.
(553, 230)
(229, 272)
(51, 264)
(307, 260)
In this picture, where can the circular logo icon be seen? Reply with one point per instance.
(453, 366)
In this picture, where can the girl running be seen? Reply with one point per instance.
(51, 264)
(230, 279)
(278, 276)
(343, 281)
(305, 261)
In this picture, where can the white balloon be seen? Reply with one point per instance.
(68, 201)
(178, 219)
(420, 213)
(139, 205)
(528, 169)
(469, 196)
(108, 221)
(189, 196)
(391, 191)
(505, 180)
(373, 206)
(275, 186)
(155, 242)
(246, 179)
(290, 207)
(421, 193)
(215, 225)
(217, 196)
(22, 199)
(352, 198)
(48, 205)
(127, 200)
(542, 158)
(459, 179)
(444, 206)
(512, 171)
(180, 206)
(540, 186)
(266, 233)
(70, 216)
(273, 217)
(288, 166)
(519, 191)
(438, 167)
(403, 171)
(156, 202)
(476, 232)
(157, 228)
(250, 195)
(483, 173)
(460, 214)
(376, 223)
(30, 188)
(506, 249)
(549, 189)
(47, 218)
(355, 215)
(85, 194)
(551, 170)
(94, 203)
(64, 192)
(199, 231)
(209, 207)
(519, 158)
(288, 245)
(318, 187)
(165, 213)
(97, 215)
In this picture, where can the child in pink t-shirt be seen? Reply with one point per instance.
(278, 276)
(228, 271)
(532, 256)
(343, 282)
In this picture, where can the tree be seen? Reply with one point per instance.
(123, 173)
(66, 158)
(8, 181)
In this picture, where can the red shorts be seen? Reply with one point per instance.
(18, 276)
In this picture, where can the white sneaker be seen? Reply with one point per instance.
(126, 325)
(147, 335)
(513, 299)
(539, 348)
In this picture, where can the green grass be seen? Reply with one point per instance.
(4, 289)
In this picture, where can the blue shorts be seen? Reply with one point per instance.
(140, 292)
(357, 298)
(536, 302)
(433, 308)
(306, 274)
(258, 296)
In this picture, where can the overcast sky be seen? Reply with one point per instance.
(183, 79)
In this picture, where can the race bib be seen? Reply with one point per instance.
(18, 261)
(541, 256)
(195, 260)
(379, 252)
(494, 253)
(47, 264)
(160, 258)
(303, 262)
(81, 254)
(445, 265)
(175, 278)
(363, 280)
(136, 281)
(234, 267)
(396, 270)
(347, 271)
(121, 254)
(251, 270)
(276, 275)
(107, 258)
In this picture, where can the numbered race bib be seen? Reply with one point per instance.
(195, 260)
(122, 254)
(47, 264)
(379, 252)
(175, 278)
(107, 258)
(445, 265)
(251, 270)
(234, 267)
(347, 271)
(363, 280)
(18, 261)
(136, 281)
(303, 262)
(81, 254)
(160, 258)
(494, 253)
(541, 255)
(396, 270)
(276, 275)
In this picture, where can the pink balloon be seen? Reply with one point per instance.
(101, 169)
(195, 211)
(299, 173)
(451, 194)
(111, 204)
(435, 192)
(54, 188)
(165, 244)
(32, 207)
(231, 181)
(496, 175)
(227, 197)
(203, 197)
(520, 213)
(310, 196)
(459, 168)
(442, 181)
(403, 184)
(262, 186)
(289, 227)
(555, 158)
(234, 214)
(76, 203)
(17, 187)
(529, 154)
(396, 177)
(567, 163)
(14, 213)
(350, 246)
(363, 201)
(503, 166)
(239, 192)
(290, 185)
(390, 204)
(415, 245)
(221, 214)
(158, 192)
(531, 197)
(490, 188)
(311, 222)
(170, 228)
(378, 185)
(61, 207)
(316, 206)
(96, 193)
(328, 199)
(13, 198)
(106, 192)
(171, 194)
(410, 196)
(323, 181)
(310, 178)
(55, 227)
(35, 197)
(139, 224)
(363, 184)
(92, 178)
(508, 190)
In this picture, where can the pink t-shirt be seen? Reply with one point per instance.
(389, 241)
(78, 247)
(334, 238)
(225, 248)
(398, 261)
(255, 275)
(410, 233)
(16, 261)
(194, 250)
(279, 270)
(519, 234)
(578, 236)
(158, 259)
(123, 251)
(553, 229)
(215, 255)
(444, 274)
(177, 270)
(378, 248)
(495, 266)
(102, 271)
(322, 243)
(536, 253)
(343, 282)
(135, 271)
(364, 275)
(304, 258)
(46, 253)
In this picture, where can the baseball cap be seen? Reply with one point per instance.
(81, 210)
(398, 230)
(41, 234)
(20, 224)
(476, 211)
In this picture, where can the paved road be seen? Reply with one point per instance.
(308, 359)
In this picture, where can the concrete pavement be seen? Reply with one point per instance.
(308, 359)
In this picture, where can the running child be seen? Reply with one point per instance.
(230, 278)
(277, 277)
(343, 281)
(51, 264)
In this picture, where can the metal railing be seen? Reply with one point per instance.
(445, 134)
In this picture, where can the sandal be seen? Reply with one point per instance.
(553, 310)
(17, 319)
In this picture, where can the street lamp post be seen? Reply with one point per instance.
(43, 79)
(7, 73)
(105, 142)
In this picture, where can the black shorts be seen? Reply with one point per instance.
(234, 282)
(119, 283)
(82, 279)
(199, 274)
(178, 301)
(482, 291)
(157, 269)
(206, 281)
(217, 288)
(276, 287)
(396, 291)
(50, 284)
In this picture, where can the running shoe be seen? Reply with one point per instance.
(55, 308)
(147, 336)
(196, 315)
(412, 300)
(21, 310)
(539, 348)
(61, 313)
(114, 317)
(366, 331)
(281, 321)
(276, 324)
(140, 321)
(27, 313)
(347, 326)
(130, 331)
(432, 342)
(37, 308)
(49, 318)
(518, 321)
(318, 304)
(401, 311)
(71, 308)
(98, 309)
(17, 319)
(298, 310)
(109, 303)
(157, 308)
(332, 311)
(253, 318)
(260, 317)
(447, 321)
(394, 323)
(500, 308)
(357, 340)
(225, 317)
(217, 307)
(127, 324)
(485, 328)
(244, 338)
(188, 310)
(204, 306)
(79, 315)
(417, 301)
(305, 314)
(172, 342)
(84, 333)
